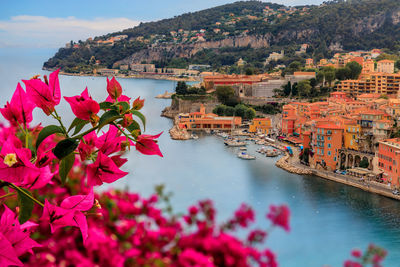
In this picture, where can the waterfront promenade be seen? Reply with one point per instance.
(292, 165)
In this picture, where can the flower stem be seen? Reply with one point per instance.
(26, 194)
(7, 195)
(60, 121)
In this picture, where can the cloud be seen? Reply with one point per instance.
(40, 31)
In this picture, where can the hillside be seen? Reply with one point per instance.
(250, 30)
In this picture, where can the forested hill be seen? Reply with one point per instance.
(250, 30)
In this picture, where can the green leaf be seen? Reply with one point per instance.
(141, 117)
(79, 127)
(46, 132)
(125, 106)
(107, 118)
(65, 147)
(78, 124)
(107, 105)
(133, 126)
(26, 206)
(65, 166)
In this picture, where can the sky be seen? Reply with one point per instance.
(50, 24)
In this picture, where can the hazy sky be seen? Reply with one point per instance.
(52, 23)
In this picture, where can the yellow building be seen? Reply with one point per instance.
(386, 66)
(375, 83)
(351, 136)
(260, 125)
(393, 108)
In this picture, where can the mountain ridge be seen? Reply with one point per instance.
(250, 30)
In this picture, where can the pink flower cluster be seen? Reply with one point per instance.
(374, 257)
(129, 230)
(38, 164)
(51, 216)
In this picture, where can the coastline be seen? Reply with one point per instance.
(369, 186)
(136, 76)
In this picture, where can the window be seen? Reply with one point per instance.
(329, 146)
(329, 153)
(334, 159)
(329, 138)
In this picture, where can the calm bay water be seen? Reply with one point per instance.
(328, 219)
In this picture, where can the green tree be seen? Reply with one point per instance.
(343, 73)
(295, 91)
(240, 110)
(181, 88)
(355, 70)
(219, 110)
(229, 111)
(287, 89)
(304, 88)
(249, 71)
(225, 93)
(313, 82)
(250, 114)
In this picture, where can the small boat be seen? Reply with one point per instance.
(194, 136)
(272, 153)
(244, 155)
(234, 143)
(243, 148)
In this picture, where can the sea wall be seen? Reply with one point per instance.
(179, 105)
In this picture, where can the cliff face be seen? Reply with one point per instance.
(365, 26)
(187, 50)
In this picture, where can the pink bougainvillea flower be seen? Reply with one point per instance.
(19, 110)
(138, 103)
(87, 146)
(146, 145)
(46, 95)
(114, 89)
(69, 213)
(104, 170)
(122, 98)
(190, 257)
(15, 163)
(110, 142)
(279, 216)
(356, 253)
(14, 239)
(84, 107)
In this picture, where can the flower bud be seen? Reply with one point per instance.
(114, 89)
(138, 103)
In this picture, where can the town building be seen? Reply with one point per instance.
(266, 88)
(143, 67)
(106, 72)
(385, 66)
(207, 121)
(389, 160)
(260, 125)
(326, 145)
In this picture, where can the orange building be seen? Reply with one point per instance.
(326, 143)
(288, 119)
(309, 63)
(207, 121)
(213, 81)
(260, 125)
(389, 160)
(375, 82)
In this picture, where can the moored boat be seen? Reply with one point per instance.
(244, 155)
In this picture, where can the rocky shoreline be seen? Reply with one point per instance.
(283, 163)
